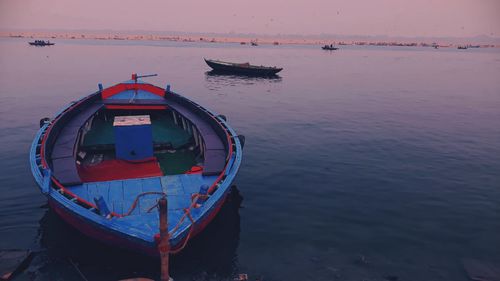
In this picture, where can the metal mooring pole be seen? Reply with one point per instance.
(164, 246)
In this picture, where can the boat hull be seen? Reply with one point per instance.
(250, 71)
(119, 240)
(41, 45)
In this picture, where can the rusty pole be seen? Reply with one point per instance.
(164, 246)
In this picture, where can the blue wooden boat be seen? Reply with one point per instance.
(104, 161)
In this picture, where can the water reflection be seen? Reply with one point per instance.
(216, 79)
(66, 254)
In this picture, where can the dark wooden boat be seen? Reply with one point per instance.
(242, 68)
(329, 47)
(41, 43)
(462, 47)
(105, 160)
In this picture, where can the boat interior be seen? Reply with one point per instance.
(176, 151)
(186, 149)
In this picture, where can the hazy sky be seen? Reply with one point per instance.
(460, 18)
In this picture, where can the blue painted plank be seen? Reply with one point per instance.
(116, 191)
(172, 185)
(141, 94)
(173, 218)
(81, 191)
(135, 102)
(191, 183)
(103, 189)
(147, 95)
(116, 196)
(151, 184)
(178, 202)
(118, 207)
(146, 223)
(131, 188)
(92, 191)
(148, 202)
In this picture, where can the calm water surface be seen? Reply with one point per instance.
(359, 164)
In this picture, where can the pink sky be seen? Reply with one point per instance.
(459, 18)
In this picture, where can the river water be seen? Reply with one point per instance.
(366, 163)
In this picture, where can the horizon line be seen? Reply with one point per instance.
(278, 35)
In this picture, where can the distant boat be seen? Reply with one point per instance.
(41, 43)
(254, 43)
(462, 47)
(329, 47)
(242, 68)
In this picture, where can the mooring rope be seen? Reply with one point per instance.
(188, 235)
(187, 214)
(134, 205)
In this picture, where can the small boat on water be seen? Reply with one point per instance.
(462, 47)
(329, 47)
(41, 43)
(254, 43)
(104, 161)
(242, 68)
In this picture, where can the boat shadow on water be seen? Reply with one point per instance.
(217, 79)
(214, 73)
(66, 254)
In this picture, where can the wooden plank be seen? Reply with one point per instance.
(133, 120)
(148, 201)
(93, 191)
(131, 188)
(172, 185)
(116, 196)
(103, 189)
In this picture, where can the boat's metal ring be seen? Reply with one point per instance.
(44, 121)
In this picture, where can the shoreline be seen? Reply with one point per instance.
(237, 39)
